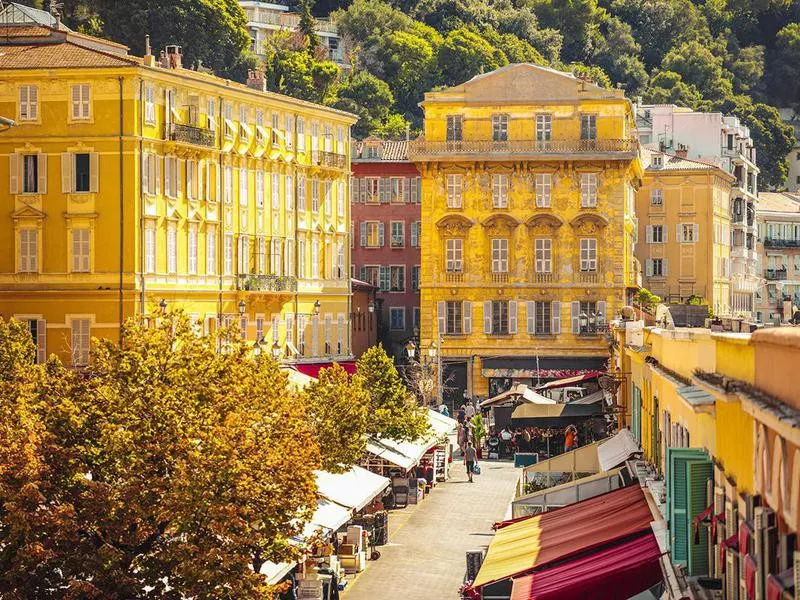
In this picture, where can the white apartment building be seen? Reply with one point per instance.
(778, 222)
(265, 18)
(724, 142)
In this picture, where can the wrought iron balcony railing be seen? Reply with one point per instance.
(779, 243)
(775, 274)
(331, 159)
(190, 134)
(421, 147)
(267, 283)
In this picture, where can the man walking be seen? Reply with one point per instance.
(470, 458)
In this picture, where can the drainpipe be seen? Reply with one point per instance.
(121, 204)
(141, 202)
(221, 220)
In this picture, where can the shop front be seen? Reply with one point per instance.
(503, 373)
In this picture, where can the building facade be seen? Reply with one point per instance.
(790, 116)
(683, 208)
(778, 220)
(264, 19)
(134, 182)
(717, 415)
(725, 142)
(528, 183)
(363, 317)
(385, 237)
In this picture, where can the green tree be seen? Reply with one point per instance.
(173, 471)
(211, 31)
(747, 67)
(698, 66)
(514, 49)
(577, 20)
(394, 127)
(307, 27)
(618, 55)
(365, 18)
(523, 23)
(409, 62)
(784, 67)
(596, 74)
(667, 87)
(393, 413)
(368, 97)
(465, 54)
(337, 409)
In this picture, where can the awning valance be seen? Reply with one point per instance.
(313, 369)
(519, 392)
(537, 541)
(354, 489)
(543, 411)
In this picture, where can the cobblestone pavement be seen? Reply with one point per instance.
(425, 557)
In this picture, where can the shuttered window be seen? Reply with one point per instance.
(28, 103)
(544, 186)
(192, 249)
(80, 251)
(80, 330)
(172, 248)
(500, 191)
(150, 248)
(81, 104)
(454, 190)
(544, 256)
(588, 190)
(211, 249)
(28, 250)
(688, 471)
(454, 255)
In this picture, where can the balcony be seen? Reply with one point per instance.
(588, 277)
(191, 135)
(267, 283)
(422, 149)
(454, 277)
(543, 278)
(331, 159)
(499, 277)
(775, 274)
(780, 243)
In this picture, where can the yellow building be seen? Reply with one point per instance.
(133, 182)
(528, 182)
(684, 216)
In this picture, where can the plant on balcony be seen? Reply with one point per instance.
(646, 299)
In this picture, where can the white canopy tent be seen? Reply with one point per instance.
(354, 489)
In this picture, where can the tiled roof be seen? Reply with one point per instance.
(672, 162)
(20, 31)
(779, 202)
(391, 150)
(58, 56)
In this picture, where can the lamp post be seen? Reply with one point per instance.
(242, 306)
(436, 350)
(276, 350)
(411, 348)
(317, 306)
(371, 306)
(163, 305)
(584, 321)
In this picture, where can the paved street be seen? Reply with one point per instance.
(425, 557)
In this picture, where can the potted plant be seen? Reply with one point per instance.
(479, 431)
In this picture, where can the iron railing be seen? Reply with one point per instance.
(421, 147)
(775, 274)
(267, 283)
(193, 135)
(331, 159)
(780, 243)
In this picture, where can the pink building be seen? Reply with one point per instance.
(385, 235)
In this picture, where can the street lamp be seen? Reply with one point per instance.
(600, 318)
(257, 346)
(276, 350)
(411, 348)
(371, 306)
(242, 306)
(584, 320)
(317, 305)
(163, 304)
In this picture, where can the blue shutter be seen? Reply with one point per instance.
(698, 472)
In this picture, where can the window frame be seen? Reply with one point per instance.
(500, 185)
(500, 123)
(500, 317)
(544, 190)
(397, 240)
(395, 310)
(500, 255)
(543, 255)
(454, 185)
(454, 317)
(454, 255)
(589, 188)
(27, 117)
(588, 255)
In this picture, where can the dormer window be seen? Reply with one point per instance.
(658, 161)
(372, 152)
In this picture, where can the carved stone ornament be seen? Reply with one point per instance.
(500, 224)
(588, 223)
(544, 223)
(454, 225)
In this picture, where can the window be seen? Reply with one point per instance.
(82, 181)
(588, 127)
(500, 128)
(244, 192)
(211, 249)
(172, 248)
(327, 195)
(658, 267)
(500, 191)
(211, 115)
(150, 248)
(289, 131)
(397, 189)
(588, 317)
(454, 318)
(415, 278)
(28, 250)
(80, 251)
(544, 186)
(276, 191)
(315, 196)
(372, 234)
(340, 260)
(244, 255)
(301, 193)
(289, 192)
(500, 255)
(301, 134)
(275, 259)
(454, 128)
(544, 128)
(398, 239)
(544, 257)
(657, 161)
(588, 254)
(261, 255)
(227, 112)
(415, 234)
(38, 330)
(340, 199)
(28, 103)
(454, 189)
(657, 197)
(228, 254)
(397, 318)
(80, 102)
(454, 254)
(259, 189)
(543, 318)
(276, 140)
(30, 173)
(384, 279)
(172, 177)
(371, 274)
(80, 334)
(397, 281)
(499, 317)
(655, 234)
(192, 249)
(416, 319)
(687, 233)
(588, 190)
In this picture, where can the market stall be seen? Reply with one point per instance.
(501, 406)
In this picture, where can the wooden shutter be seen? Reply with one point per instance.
(363, 234)
(406, 189)
(696, 232)
(94, 172)
(362, 191)
(414, 189)
(601, 308)
(67, 166)
(441, 310)
(530, 310)
(13, 173)
(363, 273)
(680, 522)
(169, 173)
(664, 267)
(180, 170)
(467, 312)
(381, 232)
(146, 173)
(555, 315)
(385, 190)
(678, 233)
(159, 171)
(487, 317)
(41, 341)
(648, 267)
(698, 472)
(575, 310)
(42, 158)
(649, 234)
(512, 317)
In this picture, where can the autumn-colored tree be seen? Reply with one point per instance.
(337, 408)
(393, 412)
(169, 471)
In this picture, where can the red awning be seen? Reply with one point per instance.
(620, 571)
(313, 369)
(559, 383)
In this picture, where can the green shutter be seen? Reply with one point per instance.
(698, 472)
(680, 524)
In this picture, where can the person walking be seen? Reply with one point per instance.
(470, 459)
(469, 410)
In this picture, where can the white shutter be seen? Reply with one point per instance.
(649, 234)
(94, 172)
(696, 232)
(441, 308)
(530, 310)
(678, 233)
(159, 171)
(363, 232)
(41, 341)
(180, 169)
(555, 308)
(649, 267)
(512, 317)
(169, 173)
(380, 234)
(487, 317)
(67, 165)
(13, 173)
(575, 310)
(601, 308)
(199, 170)
(467, 310)
(664, 268)
(146, 158)
(42, 158)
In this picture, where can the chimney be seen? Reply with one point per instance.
(682, 151)
(174, 58)
(149, 59)
(256, 80)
